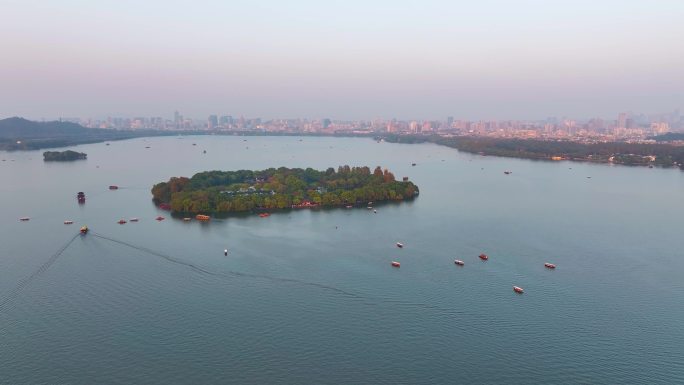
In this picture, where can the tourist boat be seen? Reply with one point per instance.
(121, 221)
(113, 187)
(396, 264)
(459, 262)
(400, 245)
(84, 229)
(484, 257)
(80, 197)
(133, 219)
(201, 217)
(68, 222)
(264, 215)
(24, 219)
(186, 219)
(518, 289)
(549, 265)
(160, 218)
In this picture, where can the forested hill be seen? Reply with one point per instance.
(244, 190)
(22, 134)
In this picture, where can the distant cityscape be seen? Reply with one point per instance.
(630, 127)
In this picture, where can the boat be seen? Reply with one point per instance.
(24, 219)
(349, 206)
(81, 197)
(400, 245)
(370, 207)
(186, 219)
(264, 215)
(201, 217)
(507, 172)
(459, 262)
(549, 265)
(396, 264)
(113, 187)
(375, 211)
(121, 221)
(165, 206)
(84, 229)
(160, 218)
(133, 219)
(518, 289)
(484, 257)
(413, 164)
(68, 222)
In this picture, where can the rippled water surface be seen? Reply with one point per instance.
(309, 296)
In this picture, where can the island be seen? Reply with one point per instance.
(62, 156)
(281, 188)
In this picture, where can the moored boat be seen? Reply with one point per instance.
(518, 289)
(186, 219)
(396, 264)
(201, 217)
(484, 257)
(549, 265)
(264, 215)
(459, 262)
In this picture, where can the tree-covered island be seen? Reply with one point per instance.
(62, 156)
(244, 190)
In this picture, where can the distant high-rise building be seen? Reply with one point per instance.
(325, 123)
(226, 120)
(622, 120)
(212, 122)
(450, 121)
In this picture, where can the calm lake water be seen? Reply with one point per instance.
(309, 296)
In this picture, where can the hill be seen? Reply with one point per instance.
(22, 134)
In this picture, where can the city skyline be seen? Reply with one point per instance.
(492, 60)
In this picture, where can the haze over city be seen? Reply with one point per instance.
(341, 60)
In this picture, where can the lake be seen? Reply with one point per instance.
(310, 297)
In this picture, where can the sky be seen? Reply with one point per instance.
(484, 59)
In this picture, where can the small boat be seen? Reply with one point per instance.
(459, 262)
(549, 265)
(375, 211)
(24, 219)
(413, 164)
(68, 222)
(400, 245)
(194, 144)
(370, 207)
(518, 289)
(121, 221)
(186, 219)
(113, 187)
(204, 152)
(84, 229)
(225, 252)
(133, 219)
(264, 215)
(160, 218)
(396, 264)
(80, 197)
(201, 217)
(507, 172)
(147, 146)
(484, 257)
(349, 206)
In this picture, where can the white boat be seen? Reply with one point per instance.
(459, 262)
(400, 245)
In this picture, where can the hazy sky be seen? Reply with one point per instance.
(340, 59)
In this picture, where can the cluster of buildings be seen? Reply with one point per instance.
(626, 126)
